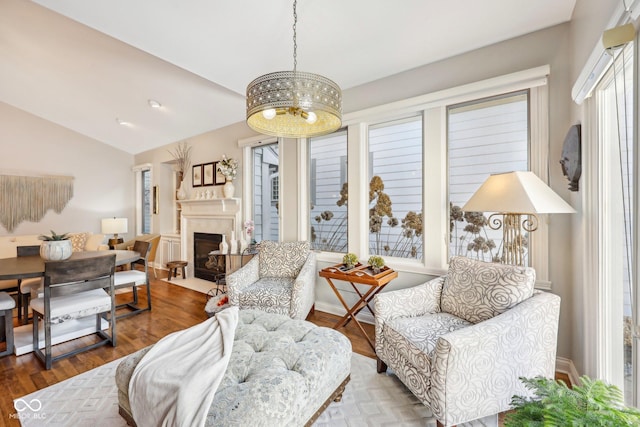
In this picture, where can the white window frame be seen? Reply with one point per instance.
(603, 293)
(433, 108)
(247, 146)
(138, 169)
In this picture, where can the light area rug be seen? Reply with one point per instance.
(91, 399)
(194, 284)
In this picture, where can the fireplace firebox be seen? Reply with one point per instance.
(207, 266)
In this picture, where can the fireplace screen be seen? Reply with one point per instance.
(208, 264)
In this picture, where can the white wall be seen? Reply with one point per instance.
(103, 185)
(206, 148)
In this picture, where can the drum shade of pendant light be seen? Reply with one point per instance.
(294, 104)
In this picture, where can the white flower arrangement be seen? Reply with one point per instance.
(228, 167)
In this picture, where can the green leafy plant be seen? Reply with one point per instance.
(593, 403)
(53, 236)
(376, 261)
(350, 259)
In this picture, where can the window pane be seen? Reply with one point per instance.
(146, 201)
(395, 189)
(265, 192)
(625, 112)
(615, 123)
(328, 192)
(485, 137)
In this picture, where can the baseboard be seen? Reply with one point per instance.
(567, 367)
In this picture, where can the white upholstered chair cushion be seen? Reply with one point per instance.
(32, 286)
(132, 277)
(271, 294)
(76, 305)
(476, 291)
(6, 302)
(422, 332)
(282, 259)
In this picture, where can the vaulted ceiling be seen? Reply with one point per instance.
(85, 64)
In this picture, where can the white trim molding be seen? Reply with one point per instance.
(599, 61)
(566, 366)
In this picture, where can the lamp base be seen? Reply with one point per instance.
(514, 244)
(113, 242)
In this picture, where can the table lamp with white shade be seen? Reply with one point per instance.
(114, 226)
(511, 196)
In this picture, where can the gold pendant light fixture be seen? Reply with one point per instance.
(294, 104)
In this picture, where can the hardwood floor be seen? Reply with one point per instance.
(174, 308)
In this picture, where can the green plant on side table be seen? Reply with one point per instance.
(56, 247)
(594, 403)
(350, 260)
(54, 237)
(376, 262)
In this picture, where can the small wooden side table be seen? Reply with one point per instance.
(361, 275)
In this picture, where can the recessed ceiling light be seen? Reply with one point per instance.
(122, 122)
(154, 104)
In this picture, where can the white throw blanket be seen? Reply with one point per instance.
(174, 383)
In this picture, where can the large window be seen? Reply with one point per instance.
(328, 189)
(144, 214)
(395, 189)
(615, 218)
(266, 192)
(485, 137)
(146, 202)
(383, 184)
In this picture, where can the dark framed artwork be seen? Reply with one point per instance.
(571, 160)
(208, 174)
(197, 175)
(156, 200)
(219, 178)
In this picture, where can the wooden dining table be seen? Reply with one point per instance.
(33, 266)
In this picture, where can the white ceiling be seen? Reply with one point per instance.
(84, 63)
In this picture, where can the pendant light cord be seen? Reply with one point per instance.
(295, 43)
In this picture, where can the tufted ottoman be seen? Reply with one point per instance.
(282, 372)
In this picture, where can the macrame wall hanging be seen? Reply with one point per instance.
(28, 198)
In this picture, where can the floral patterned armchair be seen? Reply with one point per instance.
(460, 342)
(281, 279)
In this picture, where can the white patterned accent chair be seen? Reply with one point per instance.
(460, 342)
(281, 279)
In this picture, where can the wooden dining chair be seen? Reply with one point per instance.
(74, 289)
(27, 287)
(134, 277)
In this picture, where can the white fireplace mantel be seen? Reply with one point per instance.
(219, 216)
